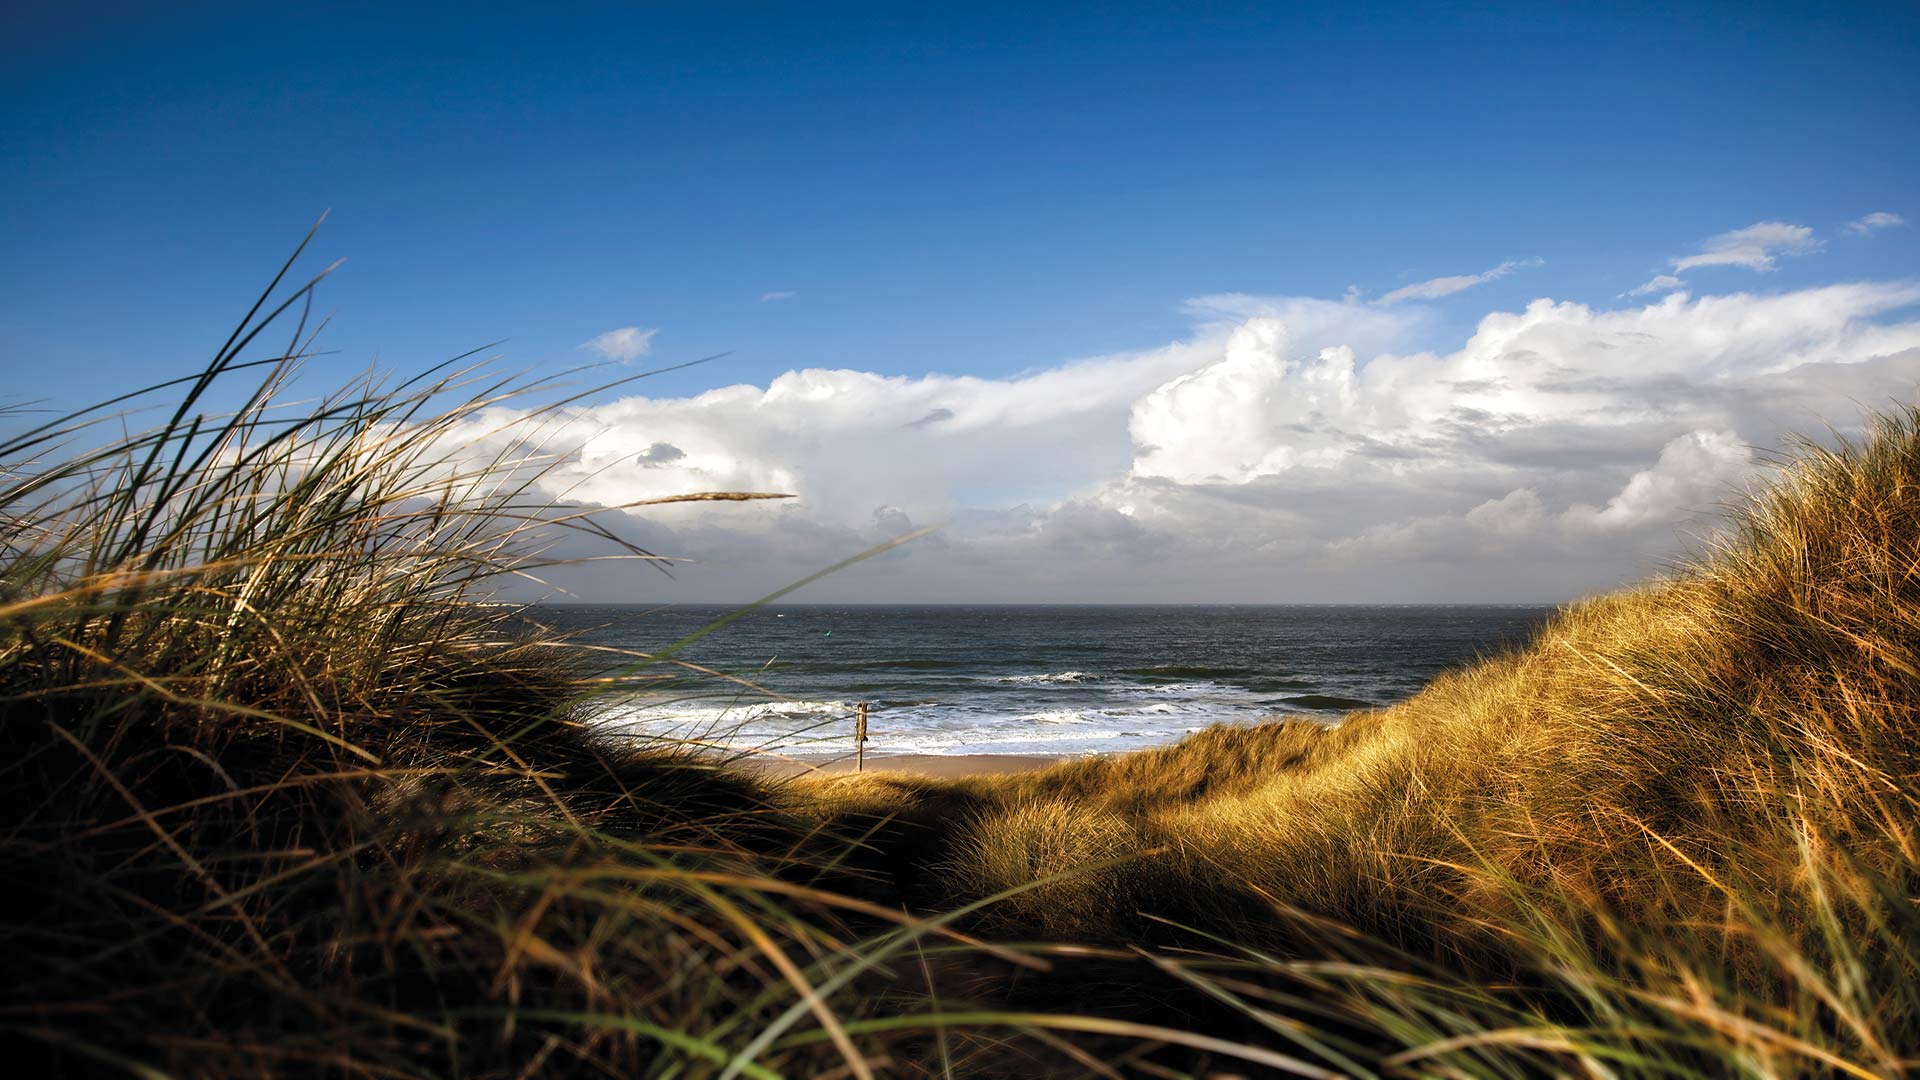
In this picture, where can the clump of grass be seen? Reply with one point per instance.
(1674, 834)
(1078, 875)
(281, 796)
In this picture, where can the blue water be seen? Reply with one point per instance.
(1021, 679)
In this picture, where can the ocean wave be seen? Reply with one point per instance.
(1028, 739)
(1263, 683)
(619, 714)
(1009, 721)
(1061, 716)
(1187, 688)
(1187, 671)
(1051, 678)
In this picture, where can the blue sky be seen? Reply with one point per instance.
(981, 189)
(965, 190)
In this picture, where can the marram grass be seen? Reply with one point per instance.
(1674, 835)
(280, 798)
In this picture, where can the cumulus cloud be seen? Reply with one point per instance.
(1218, 424)
(778, 294)
(1288, 449)
(1563, 370)
(1693, 474)
(1694, 471)
(626, 343)
(847, 441)
(1435, 288)
(1871, 223)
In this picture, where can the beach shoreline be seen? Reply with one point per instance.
(936, 765)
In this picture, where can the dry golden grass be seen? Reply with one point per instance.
(1683, 819)
(279, 798)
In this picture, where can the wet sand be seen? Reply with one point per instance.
(941, 765)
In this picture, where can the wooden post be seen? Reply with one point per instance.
(860, 738)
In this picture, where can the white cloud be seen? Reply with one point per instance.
(1661, 283)
(1312, 323)
(1694, 471)
(1489, 528)
(1879, 219)
(848, 441)
(1755, 247)
(626, 343)
(1559, 372)
(1236, 401)
(1290, 449)
(1435, 288)
(778, 294)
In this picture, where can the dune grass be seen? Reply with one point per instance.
(281, 797)
(1672, 835)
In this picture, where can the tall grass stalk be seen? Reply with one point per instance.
(283, 795)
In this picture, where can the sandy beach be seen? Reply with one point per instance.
(921, 764)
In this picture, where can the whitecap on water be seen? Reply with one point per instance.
(1051, 678)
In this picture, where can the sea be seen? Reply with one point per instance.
(1039, 679)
